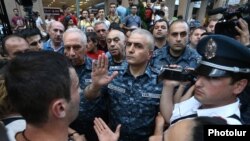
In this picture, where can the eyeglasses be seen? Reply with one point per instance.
(182, 34)
(101, 30)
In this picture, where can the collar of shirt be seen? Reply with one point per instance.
(223, 111)
(148, 72)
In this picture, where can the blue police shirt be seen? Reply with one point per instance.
(161, 57)
(134, 102)
(88, 109)
(111, 60)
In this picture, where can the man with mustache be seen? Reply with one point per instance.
(222, 75)
(176, 52)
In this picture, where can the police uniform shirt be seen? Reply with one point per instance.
(111, 60)
(134, 102)
(191, 107)
(189, 58)
(88, 110)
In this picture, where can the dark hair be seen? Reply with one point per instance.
(161, 20)
(64, 7)
(3, 133)
(195, 28)
(200, 122)
(160, 13)
(4, 52)
(112, 3)
(207, 33)
(119, 2)
(178, 21)
(28, 32)
(92, 37)
(238, 76)
(101, 9)
(116, 26)
(66, 21)
(34, 79)
(180, 17)
(134, 5)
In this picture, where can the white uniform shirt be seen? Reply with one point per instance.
(191, 106)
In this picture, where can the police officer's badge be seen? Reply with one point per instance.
(210, 49)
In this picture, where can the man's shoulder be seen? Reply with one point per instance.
(46, 44)
(191, 52)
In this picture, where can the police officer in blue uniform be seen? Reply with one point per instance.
(222, 75)
(177, 52)
(75, 42)
(132, 88)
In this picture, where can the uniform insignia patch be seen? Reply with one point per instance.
(88, 80)
(210, 49)
(116, 88)
(151, 95)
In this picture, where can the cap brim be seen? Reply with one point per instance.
(210, 71)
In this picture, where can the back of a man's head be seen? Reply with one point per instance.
(34, 80)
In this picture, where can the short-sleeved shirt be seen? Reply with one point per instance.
(161, 57)
(88, 109)
(134, 102)
(18, 21)
(132, 21)
(47, 46)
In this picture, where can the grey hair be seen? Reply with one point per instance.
(52, 23)
(149, 37)
(100, 22)
(76, 30)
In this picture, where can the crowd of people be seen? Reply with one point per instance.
(97, 79)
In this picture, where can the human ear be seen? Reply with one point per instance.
(239, 86)
(59, 108)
